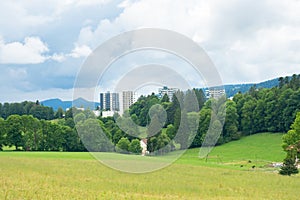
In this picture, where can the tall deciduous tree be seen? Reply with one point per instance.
(31, 131)
(59, 113)
(123, 145)
(135, 146)
(14, 133)
(93, 136)
(230, 129)
(291, 144)
(247, 116)
(293, 135)
(2, 132)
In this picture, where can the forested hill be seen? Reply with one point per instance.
(233, 89)
(230, 90)
(80, 103)
(33, 126)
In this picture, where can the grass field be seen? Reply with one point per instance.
(57, 175)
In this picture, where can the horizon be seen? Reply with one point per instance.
(42, 50)
(148, 92)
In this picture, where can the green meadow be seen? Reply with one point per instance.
(226, 173)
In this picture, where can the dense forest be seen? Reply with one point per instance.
(31, 126)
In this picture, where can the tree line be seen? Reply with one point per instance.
(35, 109)
(258, 110)
(168, 124)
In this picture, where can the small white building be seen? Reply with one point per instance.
(108, 113)
(97, 113)
(143, 143)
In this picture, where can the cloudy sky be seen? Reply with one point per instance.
(43, 44)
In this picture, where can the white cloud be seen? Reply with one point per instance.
(31, 51)
(90, 2)
(34, 51)
(58, 57)
(22, 18)
(80, 51)
(247, 41)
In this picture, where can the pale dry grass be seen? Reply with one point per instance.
(65, 176)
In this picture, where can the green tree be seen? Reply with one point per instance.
(259, 116)
(289, 165)
(152, 144)
(165, 98)
(174, 109)
(135, 146)
(247, 116)
(31, 131)
(291, 144)
(72, 141)
(5, 110)
(53, 136)
(182, 136)
(230, 129)
(190, 103)
(163, 143)
(93, 136)
(69, 122)
(290, 109)
(204, 121)
(14, 133)
(142, 107)
(2, 132)
(272, 111)
(59, 113)
(123, 145)
(158, 118)
(239, 99)
(293, 135)
(16, 109)
(42, 112)
(200, 97)
(117, 135)
(171, 131)
(80, 117)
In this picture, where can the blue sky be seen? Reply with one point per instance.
(43, 44)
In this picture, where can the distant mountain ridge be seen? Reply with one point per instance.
(230, 90)
(233, 89)
(80, 103)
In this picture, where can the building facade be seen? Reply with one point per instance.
(128, 98)
(214, 92)
(109, 101)
(168, 91)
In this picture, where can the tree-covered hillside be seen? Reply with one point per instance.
(168, 124)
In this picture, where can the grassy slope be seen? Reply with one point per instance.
(261, 149)
(55, 175)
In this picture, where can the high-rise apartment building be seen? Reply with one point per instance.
(128, 98)
(109, 101)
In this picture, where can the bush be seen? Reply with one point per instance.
(135, 147)
(289, 166)
(123, 145)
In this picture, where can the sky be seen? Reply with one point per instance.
(44, 44)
